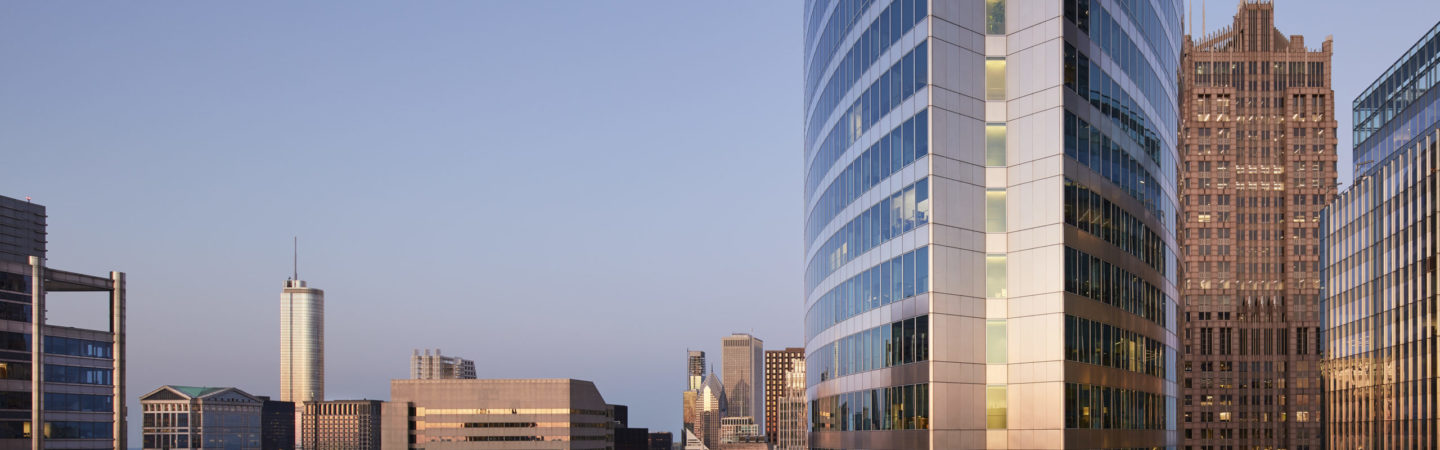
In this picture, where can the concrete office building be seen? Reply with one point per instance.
(1258, 164)
(495, 414)
(792, 418)
(1379, 249)
(200, 417)
(341, 425)
(277, 424)
(990, 196)
(743, 371)
(79, 376)
(777, 364)
(439, 367)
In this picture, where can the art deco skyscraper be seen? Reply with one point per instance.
(1380, 251)
(743, 371)
(990, 201)
(302, 344)
(1258, 164)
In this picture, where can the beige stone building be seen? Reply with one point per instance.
(496, 414)
(341, 425)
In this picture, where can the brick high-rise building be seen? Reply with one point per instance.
(1258, 164)
(777, 364)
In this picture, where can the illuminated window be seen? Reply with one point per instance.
(996, 407)
(995, 78)
(995, 144)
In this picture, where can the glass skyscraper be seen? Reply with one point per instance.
(302, 346)
(1379, 251)
(990, 194)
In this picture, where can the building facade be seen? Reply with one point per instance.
(79, 374)
(341, 425)
(711, 405)
(302, 347)
(991, 210)
(695, 368)
(661, 440)
(178, 417)
(792, 419)
(277, 424)
(496, 414)
(778, 363)
(742, 368)
(439, 367)
(1379, 310)
(1258, 164)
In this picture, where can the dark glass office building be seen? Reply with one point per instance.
(990, 204)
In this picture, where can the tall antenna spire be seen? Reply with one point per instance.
(297, 258)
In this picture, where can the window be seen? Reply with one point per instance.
(997, 350)
(995, 211)
(996, 276)
(995, 145)
(995, 78)
(994, 16)
(996, 407)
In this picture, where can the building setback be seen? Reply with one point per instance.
(200, 417)
(341, 425)
(1379, 310)
(990, 203)
(777, 364)
(437, 367)
(496, 414)
(80, 375)
(742, 368)
(1258, 164)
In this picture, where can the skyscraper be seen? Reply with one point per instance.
(743, 371)
(990, 196)
(438, 367)
(777, 364)
(710, 407)
(302, 347)
(696, 368)
(1258, 140)
(695, 375)
(792, 424)
(1379, 249)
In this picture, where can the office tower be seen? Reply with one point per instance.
(990, 196)
(777, 364)
(80, 375)
(627, 438)
(495, 414)
(743, 370)
(302, 347)
(437, 367)
(277, 424)
(200, 417)
(1258, 164)
(341, 425)
(24, 225)
(792, 419)
(661, 440)
(696, 369)
(1379, 253)
(711, 405)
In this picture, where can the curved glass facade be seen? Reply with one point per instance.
(966, 181)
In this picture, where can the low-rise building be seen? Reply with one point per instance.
(200, 417)
(341, 425)
(496, 414)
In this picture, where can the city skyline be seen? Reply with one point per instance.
(201, 209)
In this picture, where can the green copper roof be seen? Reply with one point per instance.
(194, 391)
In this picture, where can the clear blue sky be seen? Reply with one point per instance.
(554, 189)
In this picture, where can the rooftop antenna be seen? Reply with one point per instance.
(296, 263)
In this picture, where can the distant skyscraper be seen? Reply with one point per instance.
(990, 221)
(1258, 163)
(792, 414)
(437, 367)
(696, 369)
(777, 364)
(1379, 311)
(341, 425)
(743, 371)
(302, 343)
(711, 405)
(177, 417)
(661, 440)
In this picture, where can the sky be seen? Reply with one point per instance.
(552, 189)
